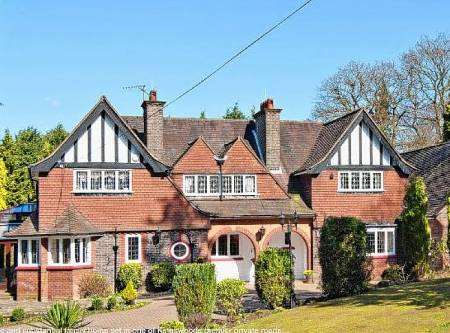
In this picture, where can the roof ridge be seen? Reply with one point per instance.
(343, 116)
(427, 147)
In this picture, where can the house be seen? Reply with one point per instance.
(433, 164)
(186, 189)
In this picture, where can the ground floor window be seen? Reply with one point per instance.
(133, 248)
(69, 251)
(381, 240)
(28, 251)
(179, 251)
(226, 245)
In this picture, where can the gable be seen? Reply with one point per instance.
(241, 158)
(101, 138)
(198, 157)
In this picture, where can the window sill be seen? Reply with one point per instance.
(28, 268)
(68, 267)
(360, 192)
(382, 256)
(103, 192)
(224, 258)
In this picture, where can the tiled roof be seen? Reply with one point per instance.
(70, 222)
(296, 137)
(251, 208)
(433, 164)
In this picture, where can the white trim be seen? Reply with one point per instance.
(208, 186)
(360, 189)
(384, 230)
(72, 251)
(217, 255)
(139, 259)
(172, 249)
(102, 189)
(29, 256)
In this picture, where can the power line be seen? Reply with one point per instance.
(237, 54)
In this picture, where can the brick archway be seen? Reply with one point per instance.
(229, 229)
(302, 235)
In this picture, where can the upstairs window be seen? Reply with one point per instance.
(360, 181)
(102, 181)
(209, 185)
(381, 241)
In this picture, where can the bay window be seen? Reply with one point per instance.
(360, 181)
(133, 248)
(69, 251)
(381, 241)
(209, 185)
(28, 252)
(102, 181)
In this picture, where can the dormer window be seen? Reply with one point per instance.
(209, 185)
(360, 181)
(102, 181)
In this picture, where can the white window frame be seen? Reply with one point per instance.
(19, 252)
(385, 230)
(102, 189)
(208, 185)
(360, 189)
(139, 259)
(72, 261)
(217, 255)
(172, 251)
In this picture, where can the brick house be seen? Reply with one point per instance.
(181, 189)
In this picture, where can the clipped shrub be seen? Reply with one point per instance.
(2, 319)
(129, 294)
(114, 302)
(229, 297)
(96, 303)
(130, 272)
(160, 276)
(414, 233)
(343, 257)
(18, 314)
(94, 284)
(68, 315)
(273, 276)
(195, 293)
(395, 274)
(171, 325)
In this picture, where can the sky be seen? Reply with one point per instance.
(58, 57)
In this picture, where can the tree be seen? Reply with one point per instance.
(3, 180)
(53, 138)
(406, 98)
(414, 234)
(234, 112)
(202, 115)
(446, 128)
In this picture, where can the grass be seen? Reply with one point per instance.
(415, 307)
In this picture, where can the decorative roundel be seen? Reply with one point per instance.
(179, 250)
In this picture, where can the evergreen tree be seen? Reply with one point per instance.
(55, 136)
(234, 113)
(202, 115)
(3, 180)
(446, 116)
(414, 234)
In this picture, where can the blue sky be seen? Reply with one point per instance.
(58, 57)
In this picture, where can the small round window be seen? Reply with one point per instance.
(179, 250)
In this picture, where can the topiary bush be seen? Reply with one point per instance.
(2, 319)
(160, 276)
(195, 293)
(171, 325)
(273, 276)
(114, 302)
(96, 303)
(129, 294)
(395, 274)
(414, 233)
(94, 284)
(17, 314)
(130, 272)
(62, 316)
(229, 297)
(343, 257)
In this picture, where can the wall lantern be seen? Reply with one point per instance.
(260, 234)
(157, 236)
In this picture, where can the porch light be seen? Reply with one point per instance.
(157, 236)
(282, 219)
(262, 231)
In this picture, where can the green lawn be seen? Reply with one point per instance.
(416, 307)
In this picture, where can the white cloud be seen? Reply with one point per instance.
(53, 102)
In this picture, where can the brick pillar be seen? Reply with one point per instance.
(43, 274)
(316, 261)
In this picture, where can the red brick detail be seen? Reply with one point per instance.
(154, 202)
(27, 285)
(306, 238)
(371, 207)
(379, 264)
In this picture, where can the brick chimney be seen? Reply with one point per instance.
(267, 122)
(153, 124)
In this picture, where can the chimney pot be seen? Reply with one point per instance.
(267, 104)
(153, 96)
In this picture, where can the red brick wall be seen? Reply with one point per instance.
(63, 283)
(379, 264)
(27, 284)
(370, 207)
(154, 202)
(200, 159)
